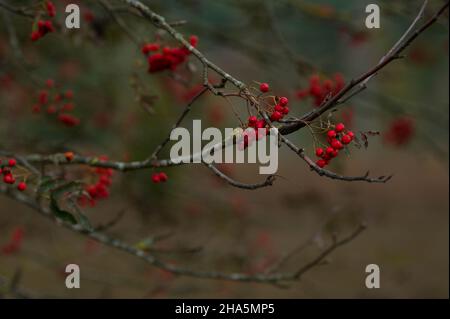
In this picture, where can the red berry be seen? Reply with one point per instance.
(68, 94)
(22, 186)
(43, 97)
(51, 109)
(336, 144)
(35, 35)
(283, 101)
(68, 119)
(69, 156)
(156, 178)
(163, 177)
(150, 47)
(319, 152)
(264, 87)
(328, 85)
(334, 153)
(36, 108)
(285, 110)
(51, 9)
(193, 40)
(321, 163)
(351, 134)
(340, 127)
(9, 179)
(329, 150)
(279, 108)
(276, 116)
(315, 90)
(50, 83)
(331, 134)
(12, 162)
(314, 80)
(49, 26)
(260, 124)
(252, 120)
(346, 139)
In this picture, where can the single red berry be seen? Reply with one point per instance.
(315, 90)
(68, 119)
(319, 152)
(314, 80)
(334, 153)
(346, 139)
(22, 186)
(283, 101)
(50, 83)
(351, 134)
(339, 127)
(57, 97)
(193, 40)
(156, 178)
(12, 162)
(49, 26)
(329, 150)
(328, 85)
(285, 110)
(43, 97)
(260, 124)
(69, 156)
(35, 35)
(336, 144)
(276, 116)
(278, 108)
(68, 94)
(36, 108)
(9, 179)
(163, 177)
(252, 120)
(321, 163)
(264, 87)
(331, 134)
(51, 9)
(51, 109)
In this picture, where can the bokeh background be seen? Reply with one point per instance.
(197, 220)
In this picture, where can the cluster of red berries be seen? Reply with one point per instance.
(99, 189)
(60, 105)
(8, 177)
(166, 58)
(44, 26)
(159, 177)
(254, 132)
(14, 243)
(319, 90)
(337, 139)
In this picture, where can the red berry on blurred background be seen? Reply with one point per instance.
(22, 186)
(264, 87)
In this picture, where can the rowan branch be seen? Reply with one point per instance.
(274, 278)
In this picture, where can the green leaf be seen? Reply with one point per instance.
(56, 193)
(60, 213)
(46, 184)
